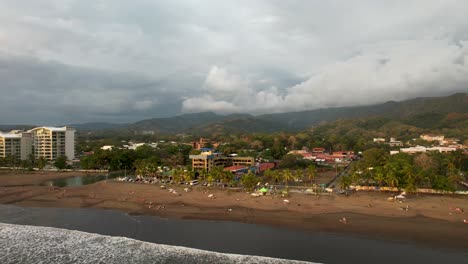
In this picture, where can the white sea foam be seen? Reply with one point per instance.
(32, 244)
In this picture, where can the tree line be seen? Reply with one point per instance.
(441, 171)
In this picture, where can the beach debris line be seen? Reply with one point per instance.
(174, 192)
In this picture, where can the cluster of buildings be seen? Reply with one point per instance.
(130, 145)
(203, 143)
(40, 142)
(443, 145)
(448, 142)
(320, 155)
(421, 149)
(208, 159)
(393, 142)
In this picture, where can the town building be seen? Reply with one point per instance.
(379, 140)
(201, 143)
(209, 159)
(318, 150)
(16, 144)
(395, 143)
(421, 149)
(52, 142)
(431, 137)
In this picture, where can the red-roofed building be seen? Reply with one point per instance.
(265, 166)
(318, 150)
(236, 168)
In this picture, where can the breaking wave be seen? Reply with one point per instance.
(32, 244)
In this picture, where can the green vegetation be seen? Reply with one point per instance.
(61, 162)
(143, 157)
(426, 170)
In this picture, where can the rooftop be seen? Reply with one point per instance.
(53, 129)
(9, 135)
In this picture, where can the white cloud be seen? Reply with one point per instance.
(386, 71)
(208, 103)
(150, 58)
(218, 80)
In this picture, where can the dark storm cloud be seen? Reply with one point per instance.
(38, 92)
(64, 61)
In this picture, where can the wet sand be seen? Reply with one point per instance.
(430, 220)
(18, 178)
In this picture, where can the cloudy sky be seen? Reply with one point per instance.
(68, 61)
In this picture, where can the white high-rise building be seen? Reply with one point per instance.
(15, 144)
(52, 142)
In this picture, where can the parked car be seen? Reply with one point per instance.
(194, 182)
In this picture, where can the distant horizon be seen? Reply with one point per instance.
(222, 114)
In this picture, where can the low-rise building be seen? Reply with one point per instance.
(421, 149)
(432, 137)
(209, 159)
(395, 143)
(318, 150)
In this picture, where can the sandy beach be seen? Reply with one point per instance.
(430, 220)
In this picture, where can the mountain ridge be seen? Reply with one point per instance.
(425, 111)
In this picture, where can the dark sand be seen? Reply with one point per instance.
(430, 220)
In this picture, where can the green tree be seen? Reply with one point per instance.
(41, 163)
(311, 173)
(249, 181)
(379, 175)
(61, 162)
(287, 176)
(345, 182)
(453, 175)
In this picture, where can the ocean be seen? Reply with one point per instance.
(67, 235)
(33, 244)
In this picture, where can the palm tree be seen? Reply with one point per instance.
(268, 174)
(287, 176)
(453, 175)
(379, 176)
(410, 179)
(276, 176)
(227, 176)
(188, 176)
(298, 174)
(216, 174)
(345, 182)
(390, 174)
(177, 176)
(311, 173)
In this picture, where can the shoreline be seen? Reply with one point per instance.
(430, 221)
(10, 178)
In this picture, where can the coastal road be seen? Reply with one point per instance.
(336, 181)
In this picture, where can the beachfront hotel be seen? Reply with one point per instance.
(17, 145)
(52, 142)
(208, 159)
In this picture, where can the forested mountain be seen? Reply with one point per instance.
(450, 112)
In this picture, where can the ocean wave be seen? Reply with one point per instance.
(33, 244)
